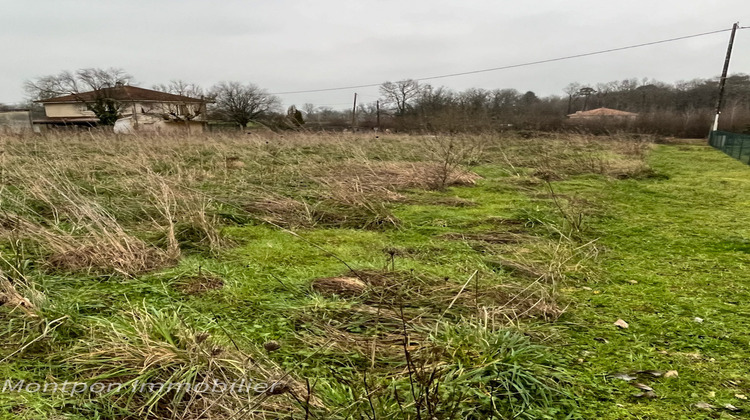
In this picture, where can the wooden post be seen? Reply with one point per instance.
(354, 112)
(377, 113)
(134, 118)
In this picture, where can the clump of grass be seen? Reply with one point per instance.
(283, 211)
(461, 371)
(499, 372)
(81, 235)
(109, 255)
(185, 219)
(165, 368)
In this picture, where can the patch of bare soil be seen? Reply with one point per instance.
(234, 162)
(199, 284)
(346, 286)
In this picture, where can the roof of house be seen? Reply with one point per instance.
(123, 94)
(603, 112)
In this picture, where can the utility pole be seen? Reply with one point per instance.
(377, 113)
(354, 112)
(723, 80)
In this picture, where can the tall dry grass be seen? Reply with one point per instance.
(97, 202)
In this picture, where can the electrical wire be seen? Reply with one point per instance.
(530, 63)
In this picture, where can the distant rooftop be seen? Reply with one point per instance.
(123, 94)
(603, 112)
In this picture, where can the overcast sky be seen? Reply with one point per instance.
(289, 45)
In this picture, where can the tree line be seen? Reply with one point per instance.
(679, 109)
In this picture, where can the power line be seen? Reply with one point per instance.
(530, 63)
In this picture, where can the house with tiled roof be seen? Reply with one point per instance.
(134, 108)
(603, 114)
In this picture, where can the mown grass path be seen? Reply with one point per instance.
(676, 249)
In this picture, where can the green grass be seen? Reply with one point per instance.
(683, 240)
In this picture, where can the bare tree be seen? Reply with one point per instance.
(572, 91)
(181, 87)
(96, 80)
(70, 83)
(308, 109)
(242, 103)
(586, 92)
(399, 94)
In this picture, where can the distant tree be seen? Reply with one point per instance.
(529, 98)
(180, 87)
(572, 91)
(432, 100)
(294, 115)
(644, 92)
(400, 94)
(242, 103)
(308, 109)
(474, 100)
(83, 80)
(79, 81)
(586, 92)
(328, 115)
(503, 103)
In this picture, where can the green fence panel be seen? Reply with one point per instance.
(733, 144)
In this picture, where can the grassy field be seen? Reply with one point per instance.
(353, 277)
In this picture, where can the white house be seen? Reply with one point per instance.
(137, 108)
